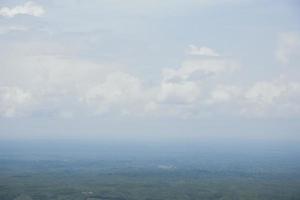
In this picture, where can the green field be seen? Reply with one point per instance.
(72, 180)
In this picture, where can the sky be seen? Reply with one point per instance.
(76, 69)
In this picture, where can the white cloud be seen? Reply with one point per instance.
(63, 85)
(202, 51)
(179, 93)
(46, 83)
(272, 98)
(289, 47)
(29, 8)
(13, 100)
(265, 93)
(55, 82)
(118, 91)
(224, 94)
(186, 90)
(198, 69)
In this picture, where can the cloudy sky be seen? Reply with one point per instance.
(100, 68)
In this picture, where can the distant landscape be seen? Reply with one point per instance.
(140, 172)
(149, 99)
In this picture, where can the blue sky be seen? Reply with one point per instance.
(80, 69)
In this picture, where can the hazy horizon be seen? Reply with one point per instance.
(149, 99)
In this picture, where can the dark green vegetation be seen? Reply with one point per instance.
(75, 180)
(120, 176)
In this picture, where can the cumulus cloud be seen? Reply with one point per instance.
(29, 8)
(201, 51)
(43, 82)
(186, 90)
(13, 101)
(64, 85)
(265, 93)
(277, 97)
(197, 69)
(289, 47)
(54, 82)
(118, 91)
(224, 94)
(178, 93)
